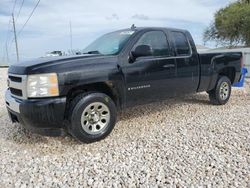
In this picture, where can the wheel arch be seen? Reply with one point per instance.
(229, 72)
(107, 88)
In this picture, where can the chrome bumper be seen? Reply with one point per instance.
(11, 103)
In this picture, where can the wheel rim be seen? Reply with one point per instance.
(224, 90)
(95, 118)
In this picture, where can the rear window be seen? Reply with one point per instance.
(181, 44)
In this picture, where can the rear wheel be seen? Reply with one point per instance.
(93, 116)
(222, 92)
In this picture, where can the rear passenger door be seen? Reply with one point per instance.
(187, 63)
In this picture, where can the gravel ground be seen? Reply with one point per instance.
(176, 143)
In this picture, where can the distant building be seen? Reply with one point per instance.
(201, 48)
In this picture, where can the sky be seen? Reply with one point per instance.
(48, 29)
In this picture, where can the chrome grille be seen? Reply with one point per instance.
(17, 85)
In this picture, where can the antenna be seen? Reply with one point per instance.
(70, 29)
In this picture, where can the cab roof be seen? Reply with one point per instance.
(153, 28)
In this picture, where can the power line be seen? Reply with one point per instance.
(31, 14)
(14, 6)
(29, 17)
(8, 31)
(6, 41)
(20, 9)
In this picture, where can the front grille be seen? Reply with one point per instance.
(17, 85)
(16, 92)
(15, 79)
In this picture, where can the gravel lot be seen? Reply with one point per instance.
(183, 143)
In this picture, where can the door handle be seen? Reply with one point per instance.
(169, 66)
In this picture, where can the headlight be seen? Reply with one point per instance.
(42, 85)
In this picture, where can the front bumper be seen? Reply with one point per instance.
(42, 116)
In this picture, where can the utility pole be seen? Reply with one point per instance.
(14, 27)
(70, 30)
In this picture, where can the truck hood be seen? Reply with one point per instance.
(59, 64)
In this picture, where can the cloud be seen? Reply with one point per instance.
(140, 17)
(113, 17)
(48, 28)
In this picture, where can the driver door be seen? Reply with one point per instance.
(151, 78)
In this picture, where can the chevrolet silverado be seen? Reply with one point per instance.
(81, 94)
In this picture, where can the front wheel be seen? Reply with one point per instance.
(92, 117)
(222, 92)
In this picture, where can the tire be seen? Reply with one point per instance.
(92, 117)
(222, 91)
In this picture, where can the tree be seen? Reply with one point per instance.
(231, 25)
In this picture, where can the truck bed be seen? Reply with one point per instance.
(214, 63)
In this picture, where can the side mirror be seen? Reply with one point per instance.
(142, 51)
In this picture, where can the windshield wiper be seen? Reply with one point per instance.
(92, 52)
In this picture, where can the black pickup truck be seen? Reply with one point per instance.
(81, 94)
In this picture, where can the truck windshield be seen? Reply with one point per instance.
(109, 44)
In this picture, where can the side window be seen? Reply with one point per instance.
(157, 40)
(181, 44)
